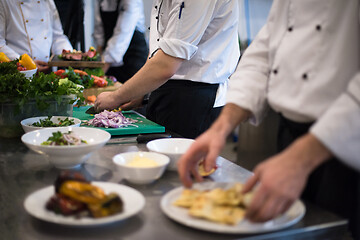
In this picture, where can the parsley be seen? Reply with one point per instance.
(48, 123)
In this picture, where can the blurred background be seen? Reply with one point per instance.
(248, 144)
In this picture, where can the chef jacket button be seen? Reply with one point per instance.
(46, 56)
(45, 37)
(290, 29)
(148, 28)
(305, 76)
(155, 7)
(275, 71)
(34, 57)
(22, 3)
(27, 21)
(38, 1)
(158, 39)
(318, 27)
(31, 39)
(42, 19)
(156, 17)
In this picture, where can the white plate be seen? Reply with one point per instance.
(133, 200)
(292, 216)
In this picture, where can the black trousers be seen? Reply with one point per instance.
(134, 58)
(184, 107)
(333, 185)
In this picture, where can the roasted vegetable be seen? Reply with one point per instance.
(82, 192)
(110, 205)
(64, 205)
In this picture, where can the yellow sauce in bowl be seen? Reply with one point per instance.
(142, 162)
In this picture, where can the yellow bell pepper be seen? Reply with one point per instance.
(27, 62)
(82, 192)
(3, 57)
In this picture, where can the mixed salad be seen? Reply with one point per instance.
(64, 139)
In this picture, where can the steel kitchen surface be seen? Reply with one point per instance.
(22, 172)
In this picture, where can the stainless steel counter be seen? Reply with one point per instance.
(23, 171)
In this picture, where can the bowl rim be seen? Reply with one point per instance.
(160, 165)
(148, 145)
(43, 117)
(108, 136)
(26, 71)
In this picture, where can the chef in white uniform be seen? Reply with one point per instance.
(32, 27)
(304, 64)
(193, 51)
(119, 36)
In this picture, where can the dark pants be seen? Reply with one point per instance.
(333, 185)
(134, 59)
(184, 107)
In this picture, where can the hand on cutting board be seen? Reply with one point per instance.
(133, 104)
(280, 179)
(105, 100)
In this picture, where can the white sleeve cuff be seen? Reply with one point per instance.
(177, 48)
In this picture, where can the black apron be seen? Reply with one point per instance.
(333, 185)
(135, 56)
(184, 107)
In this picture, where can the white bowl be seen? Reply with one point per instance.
(29, 73)
(174, 148)
(66, 156)
(27, 123)
(141, 175)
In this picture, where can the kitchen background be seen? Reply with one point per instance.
(249, 144)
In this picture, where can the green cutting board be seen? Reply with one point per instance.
(142, 125)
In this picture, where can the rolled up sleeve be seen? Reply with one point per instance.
(185, 27)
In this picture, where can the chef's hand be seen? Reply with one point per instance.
(133, 104)
(207, 146)
(106, 100)
(281, 179)
(42, 66)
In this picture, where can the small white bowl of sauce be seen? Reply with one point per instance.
(141, 167)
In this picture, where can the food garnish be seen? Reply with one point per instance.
(64, 139)
(48, 123)
(110, 119)
(75, 196)
(226, 206)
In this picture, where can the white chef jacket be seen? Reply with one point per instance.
(302, 63)
(203, 32)
(32, 27)
(131, 18)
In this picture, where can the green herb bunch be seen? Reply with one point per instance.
(16, 88)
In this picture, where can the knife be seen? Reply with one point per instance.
(141, 138)
(91, 110)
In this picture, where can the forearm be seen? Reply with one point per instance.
(231, 116)
(152, 75)
(309, 152)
